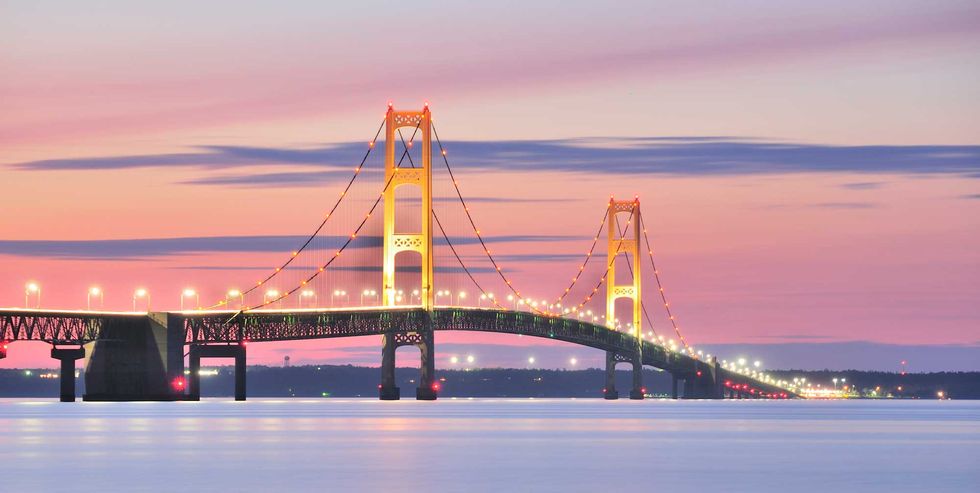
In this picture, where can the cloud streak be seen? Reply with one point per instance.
(683, 156)
(143, 248)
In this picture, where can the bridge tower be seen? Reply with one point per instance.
(626, 241)
(395, 243)
(395, 177)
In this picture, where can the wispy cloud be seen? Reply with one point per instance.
(160, 247)
(863, 185)
(844, 205)
(639, 155)
(408, 269)
(971, 196)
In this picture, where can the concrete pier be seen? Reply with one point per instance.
(68, 357)
(236, 351)
(425, 342)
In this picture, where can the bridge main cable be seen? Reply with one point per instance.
(660, 287)
(449, 242)
(350, 239)
(476, 230)
(295, 253)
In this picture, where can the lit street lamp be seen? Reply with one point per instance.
(442, 292)
(235, 293)
(189, 293)
(94, 291)
(32, 288)
(271, 294)
(338, 293)
(141, 293)
(307, 293)
(368, 292)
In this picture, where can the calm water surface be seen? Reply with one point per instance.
(490, 445)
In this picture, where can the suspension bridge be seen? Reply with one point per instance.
(148, 355)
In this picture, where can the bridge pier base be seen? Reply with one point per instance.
(673, 386)
(612, 359)
(610, 392)
(68, 356)
(388, 390)
(428, 389)
(199, 351)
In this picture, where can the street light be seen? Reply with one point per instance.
(530, 360)
(460, 297)
(271, 294)
(236, 293)
(368, 292)
(443, 292)
(94, 291)
(416, 294)
(757, 364)
(338, 293)
(510, 298)
(573, 361)
(470, 359)
(35, 289)
(307, 293)
(188, 293)
(141, 293)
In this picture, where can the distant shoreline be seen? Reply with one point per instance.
(360, 381)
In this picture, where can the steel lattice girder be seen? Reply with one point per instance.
(54, 327)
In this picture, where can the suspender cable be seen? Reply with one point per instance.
(357, 172)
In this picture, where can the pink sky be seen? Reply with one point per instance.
(797, 226)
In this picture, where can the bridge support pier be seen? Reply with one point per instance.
(703, 383)
(390, 342)
(68, 356)
(199, 351)
(673, 386)
(610, 392)
(612, 359)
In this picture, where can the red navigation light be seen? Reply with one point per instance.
(699, 373)
(435, 386)
(244, 342)
(643, 389)
(379, 386)
(603, 391)
(728, 383)
(179, 383)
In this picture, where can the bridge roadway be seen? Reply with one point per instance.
(140, 356)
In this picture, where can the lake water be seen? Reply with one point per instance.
(499, 445)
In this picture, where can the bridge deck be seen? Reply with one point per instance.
(205, 327)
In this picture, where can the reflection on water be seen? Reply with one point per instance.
(490, 445)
